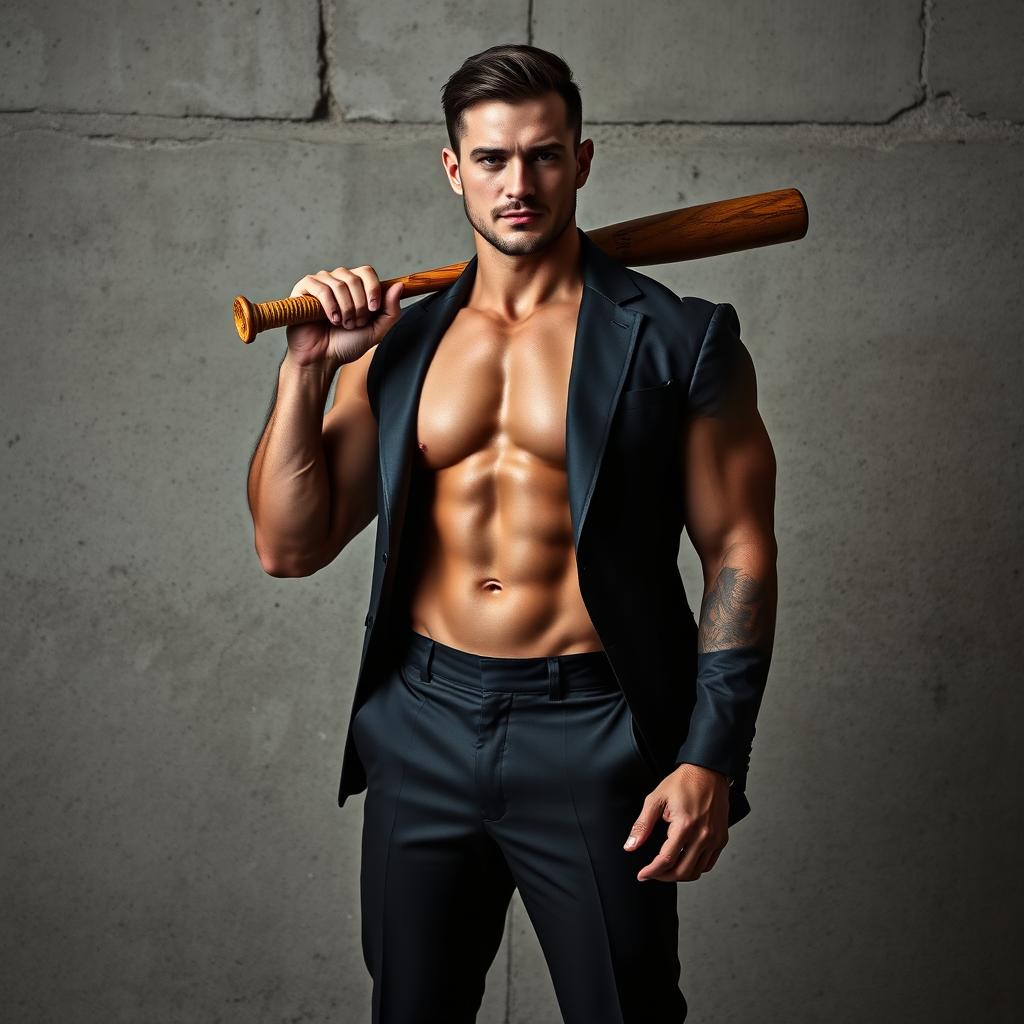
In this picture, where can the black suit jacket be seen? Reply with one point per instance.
(644, 358)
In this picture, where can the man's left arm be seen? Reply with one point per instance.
(729, 481)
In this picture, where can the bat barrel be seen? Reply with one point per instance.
(711, 229)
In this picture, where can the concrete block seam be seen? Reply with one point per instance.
(937, 118)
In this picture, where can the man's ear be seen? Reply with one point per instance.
(583, 160)
(451, 169)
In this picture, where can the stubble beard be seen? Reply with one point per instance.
(519, 244)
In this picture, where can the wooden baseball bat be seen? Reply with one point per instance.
(689, 233)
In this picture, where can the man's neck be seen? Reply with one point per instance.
(512, 288)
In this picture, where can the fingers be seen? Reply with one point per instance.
(348, 286)
(323, 288)
(686, 854)
(692, 861)
(348, 296)
(712, 859)
(371, 286)
(667, 855)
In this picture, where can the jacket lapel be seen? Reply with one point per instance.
(606, 334)
(411, 346)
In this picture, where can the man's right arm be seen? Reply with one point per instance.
(312, 482)
(313, 478)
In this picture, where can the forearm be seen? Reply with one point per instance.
(740, 597)
(734, 646)
(288, 486)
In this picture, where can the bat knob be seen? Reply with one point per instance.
(245, 318)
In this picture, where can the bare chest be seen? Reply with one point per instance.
(491, 385)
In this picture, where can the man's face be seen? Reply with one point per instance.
(518, 157)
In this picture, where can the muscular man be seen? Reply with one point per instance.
(498, 748)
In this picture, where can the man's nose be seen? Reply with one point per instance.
(518, 180)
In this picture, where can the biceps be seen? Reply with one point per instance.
(729, 481)
(350, 452)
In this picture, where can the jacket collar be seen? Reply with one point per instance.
(606, 332)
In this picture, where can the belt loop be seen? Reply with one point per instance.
(554, 679)
(427, 663)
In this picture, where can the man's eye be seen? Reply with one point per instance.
(553, 156)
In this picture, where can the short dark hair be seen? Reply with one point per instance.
(509, 72)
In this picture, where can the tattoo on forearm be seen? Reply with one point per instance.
(733, 613)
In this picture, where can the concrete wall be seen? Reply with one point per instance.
(173, 717)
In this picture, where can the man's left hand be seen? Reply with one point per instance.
(695, 802)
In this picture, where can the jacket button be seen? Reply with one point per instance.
(368, 621)
(384, 557)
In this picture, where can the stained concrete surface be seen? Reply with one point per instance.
(173, 716)
(239, 59)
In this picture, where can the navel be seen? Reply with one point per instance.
(491, 585)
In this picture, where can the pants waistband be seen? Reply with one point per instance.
(555, 675)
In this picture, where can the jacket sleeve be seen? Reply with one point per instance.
(730, 685)
(379, 361)
(719, 359)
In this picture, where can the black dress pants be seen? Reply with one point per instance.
(489, 774)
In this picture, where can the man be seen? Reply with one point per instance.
(532, 440)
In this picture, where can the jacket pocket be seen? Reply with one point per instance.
(666, 387)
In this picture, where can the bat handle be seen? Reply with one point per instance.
(253, 317)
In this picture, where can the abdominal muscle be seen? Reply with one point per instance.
(495, 568)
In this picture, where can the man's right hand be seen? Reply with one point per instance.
(352, 301)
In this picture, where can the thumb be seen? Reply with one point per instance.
(643, 826)
(391, 297)
(387, 317)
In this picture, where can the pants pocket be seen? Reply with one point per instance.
(358, 716)
(362, 719)
(642, 758)
(384, 724)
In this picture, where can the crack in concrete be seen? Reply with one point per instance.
(926, 38)
(924, 90)
(122, 142)
(323, 108)
(326, 108)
